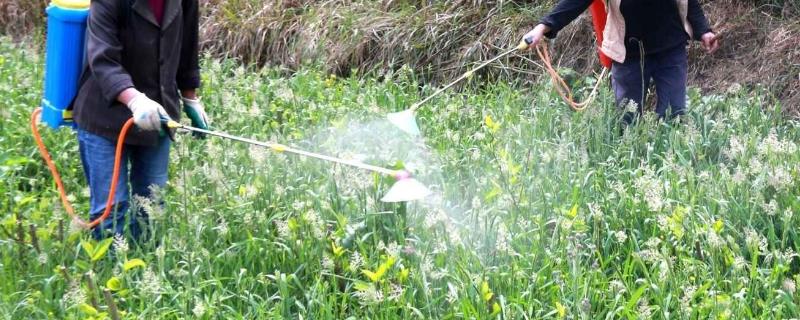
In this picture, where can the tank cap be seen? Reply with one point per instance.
(71, 4)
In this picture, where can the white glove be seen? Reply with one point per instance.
(147, 113)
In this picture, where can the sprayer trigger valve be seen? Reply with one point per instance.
(278, 147)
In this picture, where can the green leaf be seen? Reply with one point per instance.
(133, 263)
(361, 286)
(634, 300)
(114, 284)
(101, 249)
(88, 247)
(83, 265)
(87, 309)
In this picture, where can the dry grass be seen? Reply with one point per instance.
(19, 17)
(759, 50)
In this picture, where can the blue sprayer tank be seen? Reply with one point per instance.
(64, 58)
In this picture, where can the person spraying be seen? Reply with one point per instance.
(141, 62)
(646, 41)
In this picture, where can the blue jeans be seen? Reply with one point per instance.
(148, 167)
(668, 69)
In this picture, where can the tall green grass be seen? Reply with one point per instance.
(540, 212)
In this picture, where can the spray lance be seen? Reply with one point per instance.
(405, 121)
(406, 188)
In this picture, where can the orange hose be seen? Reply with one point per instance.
(561, 86)
(57, 177)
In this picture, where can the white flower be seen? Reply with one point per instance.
(653, 243)
(621, 236)
(740, 295)
(160, 253)
(476, 202)
(754, 240)
(713, 239)
(150, 283)
(789, 286)
(779, 179)
(427, 265)
(735, 148)
(688, 295)
(739, 263)
(369, 296)
(452, 293)
(222, 228)
(648, 255)
(651, 189)
(75, 295)
(316, 223)
(396, 292)
(788, 213)
(283, 229)
(120, 244)
(199, 309)
(298, 205)
(439, 274)
(755, 166)
(595, 211)
(631, 106)
(356, 261)
(327, 262)
(501, 243)
(645, 311)
(616, 286)
(771, 208)
(42, 258)
(739, 176)
(393, 249)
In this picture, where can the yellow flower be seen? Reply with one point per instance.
(403, 275)
(561, 310)
(381, 271)
(718, 225)
(486, 293)
(493, 126)
(337, 250)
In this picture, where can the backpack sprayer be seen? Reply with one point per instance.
(65, 50)
(404, 120)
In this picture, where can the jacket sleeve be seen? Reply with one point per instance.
(697, 19)
(188, 76)
(564, 12)
(104, 49)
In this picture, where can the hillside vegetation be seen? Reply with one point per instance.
(440, 39)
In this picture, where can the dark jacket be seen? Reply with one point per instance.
(126, 48)
(656, 23)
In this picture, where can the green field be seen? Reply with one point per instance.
(537, 212)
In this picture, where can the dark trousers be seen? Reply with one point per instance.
(148, 167)
(668, 69)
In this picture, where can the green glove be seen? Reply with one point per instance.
(194, 110)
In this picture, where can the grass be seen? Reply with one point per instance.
(539, 212)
